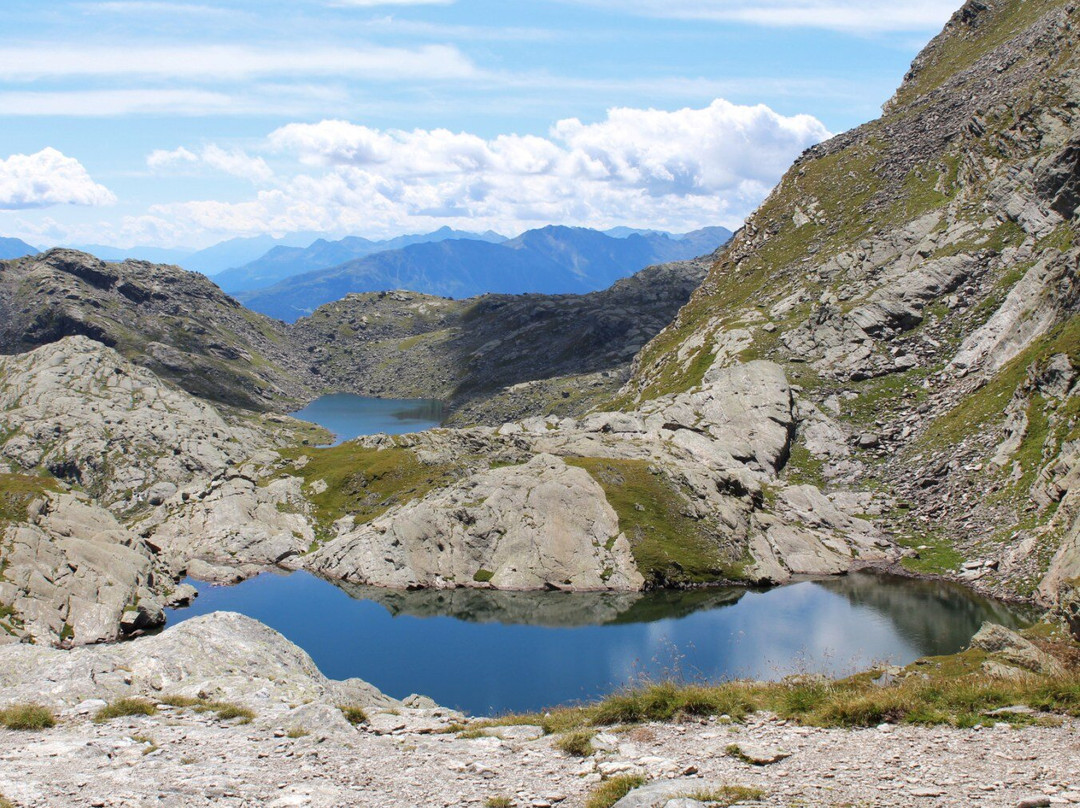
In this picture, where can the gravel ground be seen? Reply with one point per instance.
(180, 758)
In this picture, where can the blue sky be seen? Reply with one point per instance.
(175, 123)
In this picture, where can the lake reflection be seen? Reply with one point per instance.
(348, 416)
(485, 651)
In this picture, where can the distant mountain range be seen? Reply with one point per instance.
(550, 260)
(209, 261)
(16, 248)
(285, 261)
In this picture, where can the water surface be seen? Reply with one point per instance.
(348, 416)
(486, 652)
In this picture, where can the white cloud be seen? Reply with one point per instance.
(234, 162)
(48, 178)
(218, 63)
(104, 103)
(674, 170)
(842, 15)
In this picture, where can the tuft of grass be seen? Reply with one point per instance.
(225, 710)
(668, 546)
(483, 576)
(611, 791)
(577, 743)
(297, 732)
(498, 802)
(27, 717)
(125, 707)
(726, 796)
(5, 802)
(353, 714)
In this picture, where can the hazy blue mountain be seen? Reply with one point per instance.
(16, 248)
(237, 251)
(285, 262)
(551, 260)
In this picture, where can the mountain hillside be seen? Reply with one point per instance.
(284, 262)
(917, 279)
(551, 260)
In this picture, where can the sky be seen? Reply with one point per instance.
(180, 124)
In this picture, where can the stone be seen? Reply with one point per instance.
(1012, 648)
(757, 754)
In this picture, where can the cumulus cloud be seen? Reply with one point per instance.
(841, 15)
(672, 169)
(234, 162)
(48, 178)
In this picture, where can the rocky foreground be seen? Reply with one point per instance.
(299, 749)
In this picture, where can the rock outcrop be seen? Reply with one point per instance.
(222, 657)
(93, 419)
(539, 525)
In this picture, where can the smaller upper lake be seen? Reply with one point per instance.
(349, 416)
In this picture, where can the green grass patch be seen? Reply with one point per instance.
(27, 717)
(936, 554)
(364, 483)
(482, 576)
(498, 802)
(17, 491)
(125, 707)
(611, 791)
(668, 546)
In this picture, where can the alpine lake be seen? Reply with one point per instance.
(488, 652)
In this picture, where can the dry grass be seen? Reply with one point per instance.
(27, 717)
(125, 707)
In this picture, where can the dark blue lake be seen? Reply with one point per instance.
(487, 652)
(349, 416)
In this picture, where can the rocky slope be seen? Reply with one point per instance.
(916, 280)
(175, 323)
